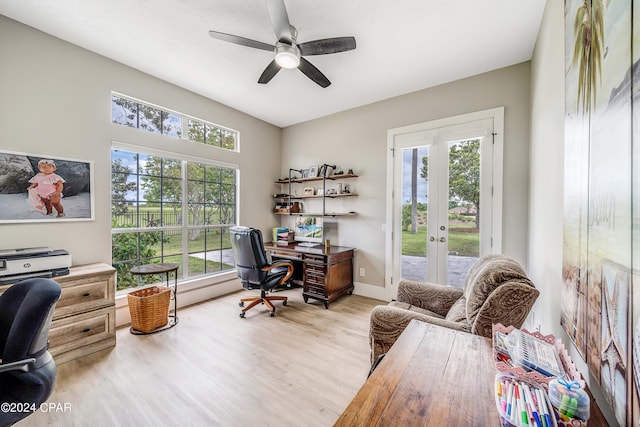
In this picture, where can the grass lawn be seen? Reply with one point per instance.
(465, 244)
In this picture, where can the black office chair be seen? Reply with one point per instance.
(27, 369)
(254, 269)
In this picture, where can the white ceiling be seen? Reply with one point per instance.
(402, 45)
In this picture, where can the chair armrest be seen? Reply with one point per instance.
(432, 297)
(281, 263)
(18, 365)
(509, 304)
(388, 322)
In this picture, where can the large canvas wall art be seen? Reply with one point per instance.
(43, 188)
(597, 253)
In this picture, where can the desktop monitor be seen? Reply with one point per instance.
(309, 230)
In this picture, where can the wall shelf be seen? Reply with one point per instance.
(287, 197)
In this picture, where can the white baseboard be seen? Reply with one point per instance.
(371, 291)
(188, 294)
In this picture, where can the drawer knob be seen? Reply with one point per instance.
(85, 330)
(86, 294)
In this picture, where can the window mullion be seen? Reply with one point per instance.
(185, 219)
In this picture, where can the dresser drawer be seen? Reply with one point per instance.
(82, 330)
(83, 295)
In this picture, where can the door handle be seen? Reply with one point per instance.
(443, 239)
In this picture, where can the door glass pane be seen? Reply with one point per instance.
(414, 213)
(464, 209)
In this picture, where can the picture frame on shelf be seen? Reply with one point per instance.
(320, 192)
(307, 191)
(305, 173)
(313, 172)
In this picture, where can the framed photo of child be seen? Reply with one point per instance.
(36, 188)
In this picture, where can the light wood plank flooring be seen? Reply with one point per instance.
(299, 368)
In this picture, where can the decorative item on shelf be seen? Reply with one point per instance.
(313, 172)
(338, 170)
(326, 170)
(331, 191)
(319, 192)
(307, 191)
(296, 207)
(350, 171)
(305, 173)
(346, 189)
(339, 188)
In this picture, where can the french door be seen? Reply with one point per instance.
(443, 207)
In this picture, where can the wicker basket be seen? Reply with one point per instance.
(149, 308)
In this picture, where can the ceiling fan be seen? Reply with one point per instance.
(289, 53)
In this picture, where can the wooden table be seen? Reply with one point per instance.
(432, 376)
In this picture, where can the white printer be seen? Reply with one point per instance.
(18, 264)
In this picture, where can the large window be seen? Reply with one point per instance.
(170, 210)
(130, 112)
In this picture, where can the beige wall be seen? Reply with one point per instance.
(546, 183)
(358, 139)
(55, 100)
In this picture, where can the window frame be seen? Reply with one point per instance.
(184, 227)
(186, 119)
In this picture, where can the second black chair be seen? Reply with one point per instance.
(254, 269)
(27, 370)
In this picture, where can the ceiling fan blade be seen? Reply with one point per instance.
(326, 46)
(268, 73)
(313, 73)
(280, 20)
(241, 41)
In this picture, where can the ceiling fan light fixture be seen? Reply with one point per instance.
(287, 56)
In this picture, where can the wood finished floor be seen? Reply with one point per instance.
(299, 368)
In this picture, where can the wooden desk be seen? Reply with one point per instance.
(432, 376)
(327, 274)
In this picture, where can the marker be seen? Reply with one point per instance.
(522, 406)
(509, 400)
(545, 409)
(534, 408)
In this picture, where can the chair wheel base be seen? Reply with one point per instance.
(242, 315)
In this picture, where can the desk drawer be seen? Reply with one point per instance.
(285, 254)
(315, 270)
(315, 288)
(315, 259)
(82, 330)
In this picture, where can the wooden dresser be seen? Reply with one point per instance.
(327, 273)
(84, 317)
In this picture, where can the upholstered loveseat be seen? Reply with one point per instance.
(497, 290)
